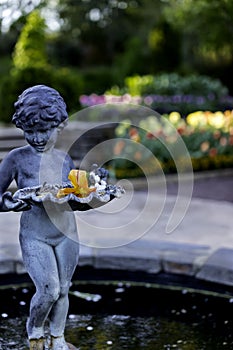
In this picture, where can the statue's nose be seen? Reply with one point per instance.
(38, 138)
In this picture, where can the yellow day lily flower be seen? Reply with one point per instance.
(80, 187)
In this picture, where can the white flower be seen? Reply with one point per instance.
(97, 178)
(100, 187)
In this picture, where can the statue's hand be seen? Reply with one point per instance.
(10, 204)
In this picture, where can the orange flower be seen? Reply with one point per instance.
(217, 134)
(150, 135)
(138, 155)
(181, 130)
(205, 146)
(119, 146)
(213, 152)
(231, 140)
(80, 187)
(134, 135)
(223, 141)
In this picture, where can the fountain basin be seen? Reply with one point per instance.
(123, 310)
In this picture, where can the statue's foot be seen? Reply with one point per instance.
(59, 343)
(71, 347)
(36, 344)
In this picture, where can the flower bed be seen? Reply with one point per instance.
(167, 92)
(157, 145)
(182, 103)
(202, 121)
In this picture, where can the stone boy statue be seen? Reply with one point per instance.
(49, 255)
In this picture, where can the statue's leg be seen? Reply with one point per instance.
(36, 344)
(67, 253)
(40, 262)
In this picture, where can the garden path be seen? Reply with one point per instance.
(207, 227)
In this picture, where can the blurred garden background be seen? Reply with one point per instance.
(172, 56)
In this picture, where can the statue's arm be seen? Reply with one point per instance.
(7, 175)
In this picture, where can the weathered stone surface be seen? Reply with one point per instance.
(71, 347)
(85, 257)
(10, 255)
(19, 268)
(7, 266)
(183, 262)
(124, 258)
(218, 267)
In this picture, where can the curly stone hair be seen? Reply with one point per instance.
(41, 105)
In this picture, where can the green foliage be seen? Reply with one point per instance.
(172, 92)
(68, 83)
(100, 28)
(207, 29)
(5, 65)
(197, 15)
(130, 60)
(31, 68)
(97, 79)
(139, 85)
(149, 51)
(127, 37)
(30, 49)
(174, 84)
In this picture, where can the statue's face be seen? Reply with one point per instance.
(41, 138)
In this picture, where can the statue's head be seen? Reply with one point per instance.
(40, 105)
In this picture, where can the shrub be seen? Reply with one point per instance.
(31, 67)
(30, 49)
(168, 92)
(97, 79)
(174, 84)
(68, 84)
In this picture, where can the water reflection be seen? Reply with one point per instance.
(144, 318)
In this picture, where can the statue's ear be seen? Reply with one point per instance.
(62, 125)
